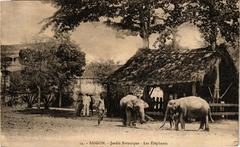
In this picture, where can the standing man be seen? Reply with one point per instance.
(79, 104)
(86, 104)
(91, 103)
(101, 108)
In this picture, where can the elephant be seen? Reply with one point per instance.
(132, 107)
(189, 107)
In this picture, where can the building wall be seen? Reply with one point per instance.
(88, 86)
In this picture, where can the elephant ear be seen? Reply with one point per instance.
(145, 104)
(129, 105)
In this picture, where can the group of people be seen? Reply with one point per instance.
(86, 102)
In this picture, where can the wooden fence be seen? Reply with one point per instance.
(224, 110)
(157, 106)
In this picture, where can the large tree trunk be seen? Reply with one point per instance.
(60, 98)
(30, 100)
(194, 89)
(39, 97)
(146, 42)
(216, 93)
(145, 24)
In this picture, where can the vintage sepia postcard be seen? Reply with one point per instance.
(119, 73)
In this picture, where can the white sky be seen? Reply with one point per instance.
(20, 21)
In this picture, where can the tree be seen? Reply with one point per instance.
(21, 88)
(102, 69)
(214, 18)
(140, 16)
(35, 69)
(5, 63)
(51, 66)
(71, 13)
(67, 63)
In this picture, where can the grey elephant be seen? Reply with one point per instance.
(131, 108)
(189, 107)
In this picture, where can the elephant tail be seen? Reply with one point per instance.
(165, 118)
(210, 116)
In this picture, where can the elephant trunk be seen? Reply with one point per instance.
(165, 117)
(142, 116)
(210, 116)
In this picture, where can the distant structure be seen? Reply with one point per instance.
(12, 51)
(87, 83)
(178, 74)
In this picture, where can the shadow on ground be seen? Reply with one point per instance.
(48, 112)
(68, 114)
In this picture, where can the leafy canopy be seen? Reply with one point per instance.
(52, 64)
(102, 69)
(150, 16)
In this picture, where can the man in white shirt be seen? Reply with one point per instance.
(86, 104)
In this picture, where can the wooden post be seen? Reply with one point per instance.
(165, 98)
(216, 94)
(146, 95)
(157, 104)
(39, 97)
(161, 104)
(108, 100)
(60, 99)
(175, 96)
(194, 91)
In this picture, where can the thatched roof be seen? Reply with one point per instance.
(155, 67)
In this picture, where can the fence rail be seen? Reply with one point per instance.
(224, 113)
(222, 105)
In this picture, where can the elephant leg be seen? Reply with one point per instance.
(201, 124)
(206, 123)
(170, 121)
(128, 117)
(182, 121)
(134, 118)
(176, 123)
(124, 117)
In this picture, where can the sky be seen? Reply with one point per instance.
(20, 21)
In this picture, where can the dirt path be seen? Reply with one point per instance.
(30, 128)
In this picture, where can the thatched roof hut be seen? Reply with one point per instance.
(192, 72)
(154, 67)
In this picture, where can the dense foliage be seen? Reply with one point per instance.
(5, 63)
(102, 69)
(50, 67)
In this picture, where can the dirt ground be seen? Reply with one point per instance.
(56, 128)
